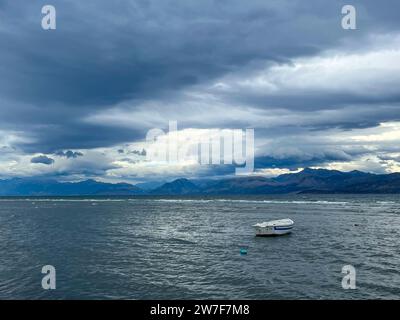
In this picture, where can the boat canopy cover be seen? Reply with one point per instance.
(275, 223)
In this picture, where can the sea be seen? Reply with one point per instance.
(200, 247)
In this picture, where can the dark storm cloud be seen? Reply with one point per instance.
(42, 159)
(294, 162)
(107, 52)
(397, 159)
(78, 136)
(139, 153)
(313, 101)
(69, 154)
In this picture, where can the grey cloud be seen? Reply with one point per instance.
(313, 156)
(139, 153)
(386, 157)
(106, 52)
(43, 160)
(69, 154)
(128, 160)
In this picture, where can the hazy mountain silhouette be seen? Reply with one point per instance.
(177, 187)
(46, 187)
(306, 181)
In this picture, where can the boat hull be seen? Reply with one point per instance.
(272, 231)
(274, 228)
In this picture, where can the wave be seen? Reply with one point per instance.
(63, 200)
(323, 202)
(251, 201)
(386, 202)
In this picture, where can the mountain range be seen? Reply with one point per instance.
(306, 181)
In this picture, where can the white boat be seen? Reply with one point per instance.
(274, 227)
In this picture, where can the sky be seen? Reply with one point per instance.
(77, 102)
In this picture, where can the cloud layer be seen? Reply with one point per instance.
(316, 95)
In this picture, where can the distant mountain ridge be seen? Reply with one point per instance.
(179, 186)
(307, 181)
(37, 187)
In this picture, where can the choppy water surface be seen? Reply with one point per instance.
(190, 248)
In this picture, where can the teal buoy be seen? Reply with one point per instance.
(243, 251)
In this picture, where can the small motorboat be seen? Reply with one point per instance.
(274, 227)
